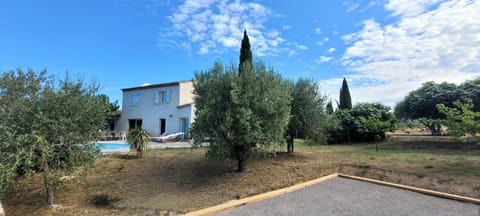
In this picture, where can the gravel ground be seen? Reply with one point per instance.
(342, 196)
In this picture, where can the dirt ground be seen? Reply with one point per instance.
(175, 181)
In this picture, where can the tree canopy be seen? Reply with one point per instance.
(308, 112)
(471, 91)
(461, 119)
(364, 122)
(329, 107)
(236, 112)
(47, 127)
(421, 103)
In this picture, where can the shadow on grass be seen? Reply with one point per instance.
(103, 201)
(202, 171)
(433, 145)
(124, 156)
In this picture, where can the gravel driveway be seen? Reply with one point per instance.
(342, 196)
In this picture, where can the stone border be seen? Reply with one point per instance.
(244, 201)
(414, 189)
(236, 203)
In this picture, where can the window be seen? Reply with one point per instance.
(134, 123)
(161, 97)
(135, 99)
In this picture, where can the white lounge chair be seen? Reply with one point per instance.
(169, 137)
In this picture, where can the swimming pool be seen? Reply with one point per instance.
(112, 146)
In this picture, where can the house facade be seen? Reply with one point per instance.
(159, 108)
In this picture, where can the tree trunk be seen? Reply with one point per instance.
(289, 144)
(348, 135)
(241, 165)
(46, 182)
(292, 145)
(240, 155)
(139, 154)
(435, 129)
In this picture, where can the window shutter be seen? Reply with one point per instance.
(167, 96)
(135, 99)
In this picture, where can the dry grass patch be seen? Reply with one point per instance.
(181, 180)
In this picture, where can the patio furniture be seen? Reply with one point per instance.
(176, 137)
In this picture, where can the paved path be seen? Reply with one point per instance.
(342, 196)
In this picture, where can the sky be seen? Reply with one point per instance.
(384, 48)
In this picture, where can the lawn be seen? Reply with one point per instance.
(182, 180)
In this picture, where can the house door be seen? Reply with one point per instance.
(163, 123)
(184, 126)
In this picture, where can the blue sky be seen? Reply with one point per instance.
(385, 48)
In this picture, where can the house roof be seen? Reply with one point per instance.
(184, 105)
(159, 85)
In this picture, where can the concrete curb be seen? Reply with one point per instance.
(235, 203)
(240, 202)
(414, 189)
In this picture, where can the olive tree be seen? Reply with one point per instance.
(47, 127)
(309, 117)
(461, 119)
(420, 104)
(238, 109)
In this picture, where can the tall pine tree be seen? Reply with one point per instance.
(345, 99)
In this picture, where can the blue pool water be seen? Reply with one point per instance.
(112, 146)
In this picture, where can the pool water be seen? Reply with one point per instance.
(112, 146)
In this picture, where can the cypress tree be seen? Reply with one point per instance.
(246, 63)
(345, 99)
(329, 107)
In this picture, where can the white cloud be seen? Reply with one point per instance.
(331, 50)
(321, 42)
(302, 47)
(216, 26)
(410, 8)
(324, 59)
(331, 88)
(295, 48)
(374, 3)
(432, 40)
(351, 7)
(318, 31)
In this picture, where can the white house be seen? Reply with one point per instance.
(159, 108)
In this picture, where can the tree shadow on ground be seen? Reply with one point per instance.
(103, 201)
(434, 145)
